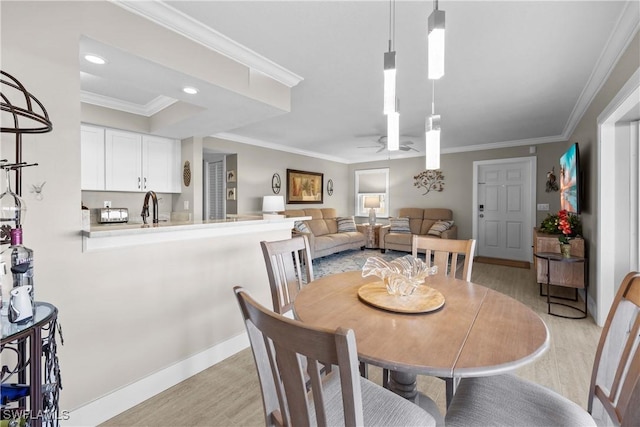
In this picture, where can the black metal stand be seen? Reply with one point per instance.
(555, 257)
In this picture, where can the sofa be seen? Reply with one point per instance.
(325, 235)
(431, 222)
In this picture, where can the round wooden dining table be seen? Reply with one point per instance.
(477, 332)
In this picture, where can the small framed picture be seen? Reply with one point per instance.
(231, 193)
(231, 176)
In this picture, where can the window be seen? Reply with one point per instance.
(372, 182)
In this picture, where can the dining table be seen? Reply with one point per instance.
(476, 332)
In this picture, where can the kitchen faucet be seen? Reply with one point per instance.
(145, 207)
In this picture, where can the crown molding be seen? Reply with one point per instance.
(270, 145)
(155, 105)
(624, 31)
(504, 144)
(174, 20)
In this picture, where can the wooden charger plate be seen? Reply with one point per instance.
(423, 300)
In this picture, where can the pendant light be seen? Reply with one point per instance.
(435, 42)
(432, 135)
(390, 97)
(390, 70)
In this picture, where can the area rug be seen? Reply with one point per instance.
(351, 260)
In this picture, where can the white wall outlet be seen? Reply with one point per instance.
(107, 203)
(543, 206)
(186, 205)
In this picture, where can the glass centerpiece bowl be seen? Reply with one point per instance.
(401, 276)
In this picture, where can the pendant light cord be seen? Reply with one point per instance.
(392, 25)
(433, 97)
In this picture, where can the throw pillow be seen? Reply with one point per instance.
(439, 227)
(346, 224)
(399, 225)
(301, 227)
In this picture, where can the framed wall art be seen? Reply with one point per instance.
(304, 187)
(231, 176)
(231, 193)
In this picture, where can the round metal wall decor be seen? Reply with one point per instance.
(330, 187)
(276, 183)
(186, 173)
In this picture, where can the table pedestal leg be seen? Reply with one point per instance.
(404, 384)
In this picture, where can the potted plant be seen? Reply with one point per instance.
(564, 223)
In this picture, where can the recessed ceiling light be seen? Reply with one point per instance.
(190, 90)
(95, 59)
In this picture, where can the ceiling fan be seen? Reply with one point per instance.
(382, 145)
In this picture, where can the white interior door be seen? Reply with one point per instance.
(504, 197)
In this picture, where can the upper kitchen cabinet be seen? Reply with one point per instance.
(129, 161)
(123, 161)
(160, 164)
(92, 157)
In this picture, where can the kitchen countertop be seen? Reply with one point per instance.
(105, 236)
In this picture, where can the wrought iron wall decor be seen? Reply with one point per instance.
(276, 183)
(552, 183)
(430, 180)
(330, 187)
(22, 113)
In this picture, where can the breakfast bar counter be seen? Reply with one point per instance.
(106, 236)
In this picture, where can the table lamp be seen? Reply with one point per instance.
(372, 202)
(271, 205)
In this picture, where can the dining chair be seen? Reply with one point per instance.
(289, 268)
(342, 397)
(614, 394)
(444, 253)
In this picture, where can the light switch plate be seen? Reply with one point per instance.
(543, 206)
(186, 205)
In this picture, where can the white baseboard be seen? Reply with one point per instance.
(109, 406)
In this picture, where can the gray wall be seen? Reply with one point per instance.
(458, 178)
(256, 166)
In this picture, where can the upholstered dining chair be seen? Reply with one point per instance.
(289, 268)
(444, 253)
(343, 397)
(614, 394)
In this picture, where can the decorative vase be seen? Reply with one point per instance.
(565, 249)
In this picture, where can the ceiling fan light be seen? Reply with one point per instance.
(389, 82)
(432, 137)
(393, 131)
(435, 42)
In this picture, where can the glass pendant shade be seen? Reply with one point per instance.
(393, 131)
(435, 41)
(432, 136)
(389, 82)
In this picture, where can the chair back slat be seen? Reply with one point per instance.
(444, 253)
(289, 268)
(283, 344)
(615, 379)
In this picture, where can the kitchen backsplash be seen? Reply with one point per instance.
(94, 200)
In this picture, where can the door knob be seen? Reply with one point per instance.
(481, 215)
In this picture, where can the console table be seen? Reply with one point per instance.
(29, 359)
(371, 233)
(552, 257)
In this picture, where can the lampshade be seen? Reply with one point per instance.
(393, 131)
(435, 41)
(272, 204)
(389, 82)
(371, 202)
(432, 136)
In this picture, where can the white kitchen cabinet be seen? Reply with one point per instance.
(92, 158)
(129, 161)
(160, 164)
(123, 160)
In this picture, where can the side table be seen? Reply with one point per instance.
(29, 359)
(371, 233)
(556, 257)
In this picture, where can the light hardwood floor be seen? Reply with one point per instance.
(228, 394)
